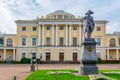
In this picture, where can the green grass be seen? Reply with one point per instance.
(43, 75)
(114, 76)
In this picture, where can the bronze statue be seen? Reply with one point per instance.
(90, 23)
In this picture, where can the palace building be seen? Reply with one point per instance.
(56, 37)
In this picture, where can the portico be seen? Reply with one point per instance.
(113, 53)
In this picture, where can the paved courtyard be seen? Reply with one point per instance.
(8, 71)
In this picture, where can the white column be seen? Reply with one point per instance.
(4, 54)
(79, 35)
(66, 35)
(39, 41)
(42, 35)
(52, 35)
(14, 55)
(70, 35)
(56, 35)
(117, 54)
(108, 54)
(82, 33)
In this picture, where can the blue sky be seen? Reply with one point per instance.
(11, 10)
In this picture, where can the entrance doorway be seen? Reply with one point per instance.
(47, 56)
(33, 55)
(74, 57)
(61, 57)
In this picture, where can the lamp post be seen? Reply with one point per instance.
(33, 60)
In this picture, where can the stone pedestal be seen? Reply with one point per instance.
(89, 58)
(32, 68)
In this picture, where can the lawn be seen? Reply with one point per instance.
(112, 75)
(56, 75)
(44, 75)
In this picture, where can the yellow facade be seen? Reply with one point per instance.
(59, 44)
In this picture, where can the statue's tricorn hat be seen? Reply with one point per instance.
(89, 12)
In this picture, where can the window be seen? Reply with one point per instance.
(47, 57)
(9, 42)
(0, 57)
(61, 41)
(61, 28)
(65, 17)
(59, 16)
(98, 55)
(98, 28)
(74, 27)
(47, 27)
(98, 40)
(24, 28)
(34, 41)
(74, 57)
(74, 41)
(33, 55)
(1, 41)
(112, 42)
(23, 41)
(33, 28)
(23, 55)
(61, 57)
(47, 41)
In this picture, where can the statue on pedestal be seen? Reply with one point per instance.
(90, 23)
(89, 57)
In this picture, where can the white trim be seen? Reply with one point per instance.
(79, 36)
(39, 35)
(53, 35)
(66, 35)
(4, 54)
(70, 35)
(61, 50)
(56, 35)
(14, 55)
(75, 51)
(34, 51)
(117, 54)
(42, 35)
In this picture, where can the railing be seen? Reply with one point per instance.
(9, 45)
(59, 45)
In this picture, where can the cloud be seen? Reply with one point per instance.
(112, 27)
(12, 10)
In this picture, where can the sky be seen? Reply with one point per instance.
(11, 10)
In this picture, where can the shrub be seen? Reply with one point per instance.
(25, 60)
(99, 60)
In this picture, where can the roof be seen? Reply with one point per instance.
(60, 12)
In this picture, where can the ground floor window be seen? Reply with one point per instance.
(23, 55)
(74, 57)
(0, 57)
(33, 55)
(61, 57)
(48, 57)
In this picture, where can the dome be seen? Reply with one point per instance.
(60, 14)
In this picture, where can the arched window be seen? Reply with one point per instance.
(23, 54)
(112, 42)
(98, 54)
(9, 42)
